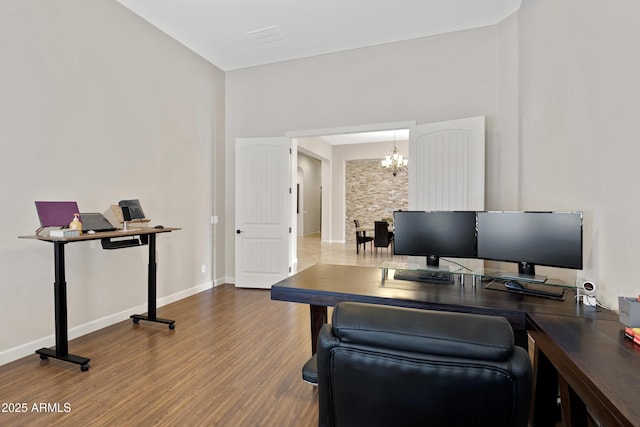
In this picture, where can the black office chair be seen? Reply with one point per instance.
(382, 238)
(361, 238)
(389, 366)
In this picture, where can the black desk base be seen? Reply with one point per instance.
(151, 291)
(46, 353)
(138, 317)
(61, 351)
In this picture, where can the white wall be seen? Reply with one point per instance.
(579, 91)
(98, 106)
(424, 80)
(310, 193)
(557, 81)
(503, 146)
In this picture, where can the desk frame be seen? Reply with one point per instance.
(60, 299)
(151, 290)
(61, 350)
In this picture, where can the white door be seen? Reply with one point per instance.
(446, 167)
(263, 200)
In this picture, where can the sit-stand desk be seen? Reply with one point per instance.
(60, 287)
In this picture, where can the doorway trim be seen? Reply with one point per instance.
(374, 127)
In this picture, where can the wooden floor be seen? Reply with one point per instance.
(234, 359)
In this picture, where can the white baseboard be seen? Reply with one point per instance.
(26, 349)
(219, 282)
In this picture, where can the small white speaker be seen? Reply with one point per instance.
(588, 290)
(589, 287)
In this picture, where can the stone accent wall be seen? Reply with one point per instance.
(372, 193)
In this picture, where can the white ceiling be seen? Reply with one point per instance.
(221, 30)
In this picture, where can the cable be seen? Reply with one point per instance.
(456, 263)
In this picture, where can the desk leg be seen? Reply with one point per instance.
(544, 396)
(60, 297)
(318, 318)
(574, 411)
(151, 290)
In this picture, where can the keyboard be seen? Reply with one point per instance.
(119, 244)
(533, 289)
(424, 276)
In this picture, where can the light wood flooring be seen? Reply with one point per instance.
(234, 359)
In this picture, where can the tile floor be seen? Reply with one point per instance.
(312, 250)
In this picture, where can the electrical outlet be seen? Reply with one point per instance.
(203, 269)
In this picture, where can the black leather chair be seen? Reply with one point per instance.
(388, 366)
(382, 238)
(361, 238)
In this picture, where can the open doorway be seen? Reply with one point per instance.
(335, 154)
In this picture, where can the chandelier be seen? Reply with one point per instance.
(395, 162)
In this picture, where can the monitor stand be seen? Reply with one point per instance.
(432, 264)
(526, 272)
(524, 277)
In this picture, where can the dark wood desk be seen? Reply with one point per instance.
(596, 368)
(566, 332)
(60, 287)
(324, 285)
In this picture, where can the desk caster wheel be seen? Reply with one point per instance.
(172, 326)
(136, 321)
(44, 357)
(84, 367)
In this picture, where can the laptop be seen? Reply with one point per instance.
(96, 222)
(56, 214)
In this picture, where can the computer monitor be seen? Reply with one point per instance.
(531, 238)
(435, 234)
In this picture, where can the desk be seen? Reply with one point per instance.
(597, 369)
(323, 285)
(584, 372)
(60, 288)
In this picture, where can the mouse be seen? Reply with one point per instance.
(513, 285)
(159, 226)
(91, 232)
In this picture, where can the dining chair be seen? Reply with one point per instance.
(361, 238)
(382, 238)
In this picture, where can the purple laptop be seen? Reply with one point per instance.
(56, 214)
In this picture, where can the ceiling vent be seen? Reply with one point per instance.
(269, 37)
